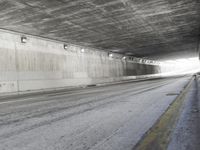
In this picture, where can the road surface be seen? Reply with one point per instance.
(112, 117)
(186, 135)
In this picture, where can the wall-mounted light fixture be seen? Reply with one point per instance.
(82, 50)
(65, 46)
(23, 39)
(124, 58)
(110, 55)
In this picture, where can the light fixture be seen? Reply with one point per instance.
(124, 58)
(65, 46)
(110, 55)
(23, 39)
(82, 50)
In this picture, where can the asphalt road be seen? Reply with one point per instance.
(112, 117)
(186, 135)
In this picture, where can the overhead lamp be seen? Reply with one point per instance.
(65, 46)
(82, 50)
(23, 39)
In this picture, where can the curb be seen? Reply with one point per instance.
(158, 137)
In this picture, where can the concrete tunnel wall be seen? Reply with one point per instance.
(40, 64)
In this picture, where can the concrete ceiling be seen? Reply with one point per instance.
(144, 28)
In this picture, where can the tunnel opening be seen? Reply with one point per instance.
(180, 66)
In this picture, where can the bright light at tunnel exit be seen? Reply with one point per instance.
(180, 66)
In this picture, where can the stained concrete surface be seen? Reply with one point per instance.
(186, 135)
(159, 29)
(112, 117)
(42, 64)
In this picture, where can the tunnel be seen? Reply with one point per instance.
(99, 74)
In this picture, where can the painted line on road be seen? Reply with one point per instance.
(158, 137)
(22, 100)
(140, 90)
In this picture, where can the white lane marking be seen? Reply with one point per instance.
(85, 92)
(22, 100)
